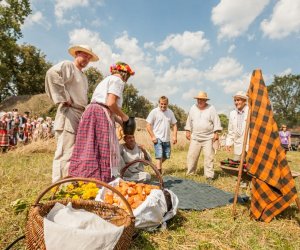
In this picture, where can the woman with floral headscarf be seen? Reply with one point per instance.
(96, 152)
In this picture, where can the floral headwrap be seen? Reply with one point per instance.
(120, 66)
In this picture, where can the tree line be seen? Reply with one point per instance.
(23, 68)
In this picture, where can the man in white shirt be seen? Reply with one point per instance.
(202, 129)
(129, 152)
(67, 85)
(237, 125)
(159, 121)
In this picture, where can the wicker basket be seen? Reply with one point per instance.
(34, 232)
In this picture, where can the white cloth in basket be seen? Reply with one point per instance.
(68, 228)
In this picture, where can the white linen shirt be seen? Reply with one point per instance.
(160, 122)
(109, 85)
(235, 135)
(203, 123)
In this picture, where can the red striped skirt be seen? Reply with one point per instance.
(91, 153)
(4, 139)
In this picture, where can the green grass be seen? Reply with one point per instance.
(25, 174)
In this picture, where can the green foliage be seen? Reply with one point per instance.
(135, 105)
(32, 68)
(224, 121)
(94, 77)
(12, 16)
(180, 115)
(284, 94)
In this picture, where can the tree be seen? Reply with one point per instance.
(12, 16)
(284, 94)
(32, 68)
(135, 105)
(94, 77)
(180, 115)
(224, 121)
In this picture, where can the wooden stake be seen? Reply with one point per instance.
(298, 203)
(241, 165)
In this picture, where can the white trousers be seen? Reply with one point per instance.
(193, 157)
(63, 153)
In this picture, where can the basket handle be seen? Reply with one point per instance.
(158, 175)
(100, 183)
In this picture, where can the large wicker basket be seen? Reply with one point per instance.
(34, 233)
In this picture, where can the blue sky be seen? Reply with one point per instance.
(178, 47)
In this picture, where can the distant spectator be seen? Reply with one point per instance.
(4, 136)
(285, 137)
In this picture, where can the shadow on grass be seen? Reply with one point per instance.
(291, 213)
(141, 241)
(176, 222)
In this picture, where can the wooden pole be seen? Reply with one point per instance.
(298, 204)
(241, 165)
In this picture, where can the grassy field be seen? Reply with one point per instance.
(27, 170)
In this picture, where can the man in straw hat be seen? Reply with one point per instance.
(202, 128)
(67, 86)
(237, 125)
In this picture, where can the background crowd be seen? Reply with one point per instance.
(17, 128)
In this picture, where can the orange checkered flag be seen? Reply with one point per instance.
(273, 187)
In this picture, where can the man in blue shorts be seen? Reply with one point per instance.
(159, 121)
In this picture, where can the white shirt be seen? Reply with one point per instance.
(160, 122)
(236, 129)
(129, 155)
(203, 123)
(109, 85)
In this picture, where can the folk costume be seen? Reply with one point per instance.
(66, 83)
(96, 151)
(4, 137)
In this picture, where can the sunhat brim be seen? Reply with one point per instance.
(74, 49)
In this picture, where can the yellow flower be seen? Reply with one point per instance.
(91, 185)
(70, 187)
(75, 197)
(54, 189)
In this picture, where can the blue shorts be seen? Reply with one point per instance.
(162, 149)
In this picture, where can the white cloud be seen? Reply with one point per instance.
(284, 20)
(226, 67)
(62, 6)
(235, 16)
(149, 45)
(231, 48)
(285, 72)
(161, 59)
(103, 50)
(232, 86)
(192, 44)
(130, 51)
(188, 95)
(37, 18)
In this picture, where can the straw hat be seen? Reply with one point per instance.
(241, 94)
(202, 95)
(84, 48)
